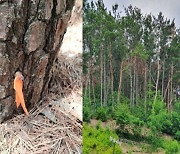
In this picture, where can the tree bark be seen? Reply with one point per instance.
(131, 86)
(137, 91)
(31, 33)
(120, 82)
(163, 73)
(104, 64)
(112, 78)
(89, 89)
(157, 82)
(101, 59)
(134, 82)
(171, 89)
(145, 89)
(165, 98)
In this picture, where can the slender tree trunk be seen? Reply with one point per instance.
(112, 78)
(101, 58)
(86, 87)
(31, 33)
(166, 90)
(168, 96)
(120, 81)
(93, 93)
(163, 71)
(131, 86)
(157, 82)
(108, 85)
(105, 84)
(134, 82)
(171, 88)
(137, 86)
(87, 82)
(145, 89)
(150, 81)
(89, 89)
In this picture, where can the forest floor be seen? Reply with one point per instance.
(71, 51)
(126, 145)
(55, 125)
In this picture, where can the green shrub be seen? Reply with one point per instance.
(122, 119)
(87, 114)
(171, 147)
(140, 113)
(137, 126)
(127, 122)
(155, 140)
(102, 114)
(172, 124)
(159, 120)
(177, 135)
(98, 141)
(87, 111)
(175, 122)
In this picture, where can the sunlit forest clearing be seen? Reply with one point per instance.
(131, 86)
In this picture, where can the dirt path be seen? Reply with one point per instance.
(111, 124)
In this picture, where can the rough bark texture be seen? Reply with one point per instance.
(31, 33)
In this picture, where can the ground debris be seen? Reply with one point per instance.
(38, 134)
(55, 124)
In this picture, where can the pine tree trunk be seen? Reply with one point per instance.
(131, 86)
(86, 85)
(94, 97)
(165, 98)
(163, 71)
(171, 89)
(145, 89)
(104, 64)
(150, 81)
(120, 82)
(134, 83)
(87, 81)
(112, 78)
(137, 84)
(157, 82)
(101, 59)
(31, 33)
(89, 89)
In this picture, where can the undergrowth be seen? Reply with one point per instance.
(97, 140)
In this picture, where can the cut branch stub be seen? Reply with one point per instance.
(31, 34)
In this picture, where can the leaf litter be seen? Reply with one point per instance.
(55, 124)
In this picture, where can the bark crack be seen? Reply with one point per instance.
(48, 46)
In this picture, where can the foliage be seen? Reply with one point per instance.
(159, 119)
(177, 135)
(122, 116)
(98, 140)
(171, 147)
(87, 114)
(132, 67)
(176, 121)
(127, 121)
(102, 114)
